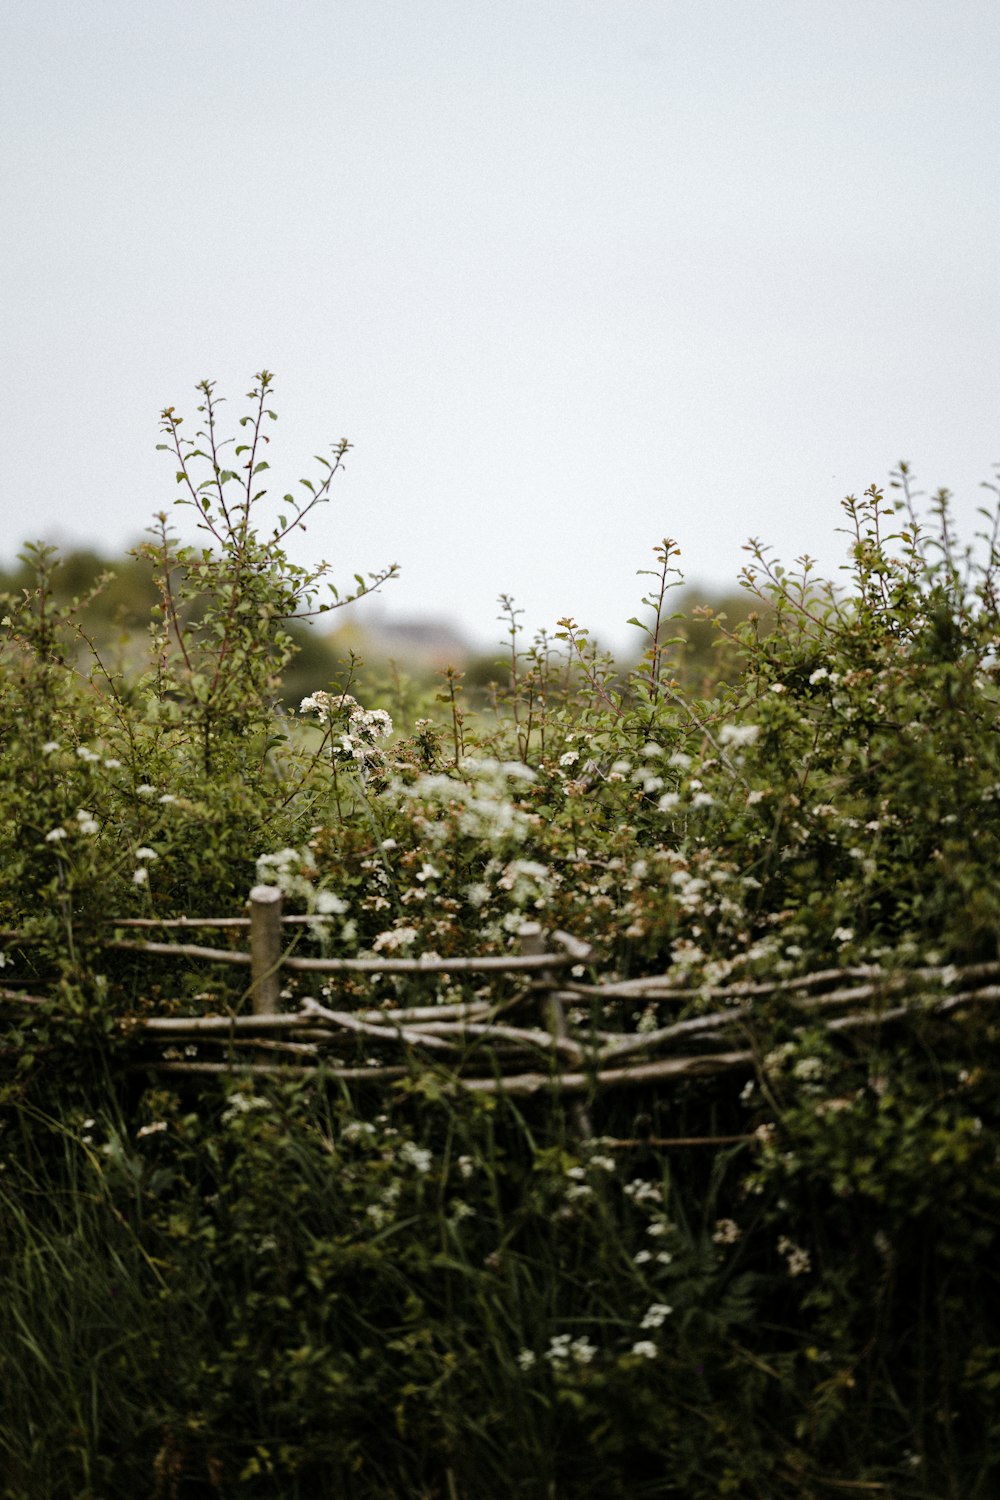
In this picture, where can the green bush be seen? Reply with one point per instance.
(284, 1286)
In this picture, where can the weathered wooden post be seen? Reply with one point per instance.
(265, 949)
(533, 940)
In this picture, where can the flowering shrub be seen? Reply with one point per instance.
(266, 1286)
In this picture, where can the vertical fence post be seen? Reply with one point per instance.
(533, 939)
(265, 949)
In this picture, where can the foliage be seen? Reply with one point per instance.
(281, 1287)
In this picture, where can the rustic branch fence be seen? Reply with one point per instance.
(536, 1028)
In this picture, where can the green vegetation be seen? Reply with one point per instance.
(266, 1285)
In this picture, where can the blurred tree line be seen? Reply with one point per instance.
(117, 596)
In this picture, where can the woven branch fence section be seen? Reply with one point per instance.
(532, 1027)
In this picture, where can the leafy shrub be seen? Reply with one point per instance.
(278, 1286)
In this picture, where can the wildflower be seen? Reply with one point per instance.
(395, 938)
(140, 876)
(656, 1315)
(55, 835)
(645, 1349)
(242, 1104)
(145, 853)
(328, 904)
(87, 822)
(526, 1359)
(50, 747)
(168, 797)
(87, 755)
(416, 1156)
(145, 789)
(727, 1232)
(798, 1260)
(326, 704)
(738, 735)
(808, 1068)
(570, 758)
(153, 1129)
(642, 1191)
(373, 724)
(562, 1349)
(428, 872)
(113, 765)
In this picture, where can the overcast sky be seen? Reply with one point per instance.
(571, 275)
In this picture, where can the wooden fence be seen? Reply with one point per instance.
(536, 1028)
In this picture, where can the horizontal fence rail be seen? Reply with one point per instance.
(537, 1033)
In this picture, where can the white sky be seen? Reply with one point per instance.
(570, 274)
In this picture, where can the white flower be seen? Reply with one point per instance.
(526, 1359)
(113, 765)
(327, 704)
(397, 937)
(140, 876)
(329, 904)
(820, 675)
(145, 853)
(145, 790)
(416, 1156)
(656, 1315)
(85, 754)
(50, 747)
(702, 799)
(87, 822)
(843, 934)
(668, 800)
(778, 687)
(642, 1191)
(168, 797)
(727, 1232)
(797, 1259)
(562, 1349)
(570, 758)
(645, 1349)
(153, 1129)
(738, 734)
(428, 872)
(55, 835)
